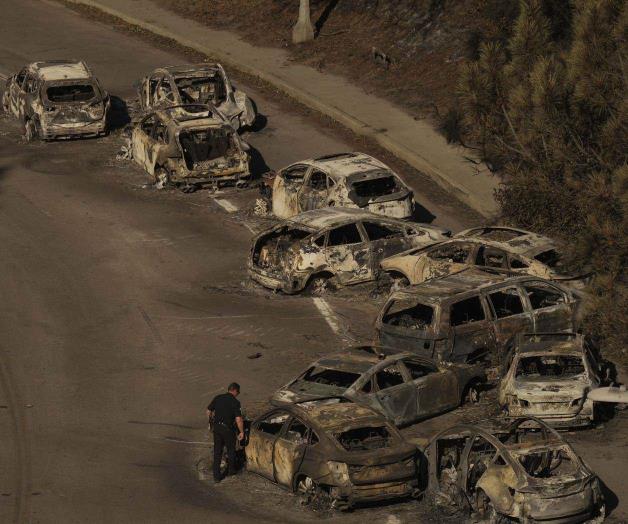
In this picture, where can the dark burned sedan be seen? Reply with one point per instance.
(57, 99)
(524, 472)
(402, 387)
(333, 447)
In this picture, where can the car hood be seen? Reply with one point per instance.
(302, 391)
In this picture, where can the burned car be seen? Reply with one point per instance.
(354, 180)
(197, 84)
(331, 247)
(190, 146)
(346, 451)
(549, 376)
(402, 387)
(500, 248)
(523, 472)
(57, 99)
(474, 315)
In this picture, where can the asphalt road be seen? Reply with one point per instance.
(125, 309)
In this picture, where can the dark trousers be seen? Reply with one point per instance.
(224, 437)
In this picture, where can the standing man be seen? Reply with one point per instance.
(225, 415)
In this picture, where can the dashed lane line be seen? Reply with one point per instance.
(226, 205)
(328, 315)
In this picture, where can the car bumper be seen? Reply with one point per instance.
(74, 130)
(393, 208)
(557, 419)
(576, 507)
(353, 494)
(276, 283)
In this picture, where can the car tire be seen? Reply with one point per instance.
(397, 281)
(485, 509)
(320, 285)
(162, 178)
(471, 393)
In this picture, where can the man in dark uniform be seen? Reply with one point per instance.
(225, 415)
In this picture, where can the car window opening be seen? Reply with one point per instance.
(467, 311)
(376, 187)
(415, 316)
(70, 93)
(498, 234)
(271, 248)
(205, 145)
(330, 377)
(365, 439)
(561, 366)
(455, 254)
(202, 90)
(506, 303)
(550, 463)
(550, 258)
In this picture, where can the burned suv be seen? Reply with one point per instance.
(402, 387)
(500, 248)
(57, 99)
(190, 145)
(474, 315)
(523, 472)
(336, 447)
(549, 376)
(352, 180)
(331, 247)
(197, 84)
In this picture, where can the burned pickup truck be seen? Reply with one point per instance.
(197, 84)
(474, 315)
(331, 247)
(190, 146)
(335, 449)
(353, 180)
(549, 376)
(402, 387)
(57, 99)
(523, 472)
(500, 248)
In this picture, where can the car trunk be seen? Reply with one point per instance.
(274, 250)
(72, 103)
(208, 148)
(370, 188)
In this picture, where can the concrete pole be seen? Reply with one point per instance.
(303, 30)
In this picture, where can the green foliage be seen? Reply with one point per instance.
(551, 116)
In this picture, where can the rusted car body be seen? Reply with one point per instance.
(523, 472)
(57, 99)
(343, 449)
(402, 387)
(197, 84)
(549, 376)
(342, 246)
(474, 315)
(503, 249)
(189, 145)
(354, 180)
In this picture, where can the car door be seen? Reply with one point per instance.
(348, 254)
(552, 308)
(510, 314)
(289, 451)
(140, 138)
(396, 394)
(473, 339)
(313, 193)
(262, 437)
(286, 188)
(386, 239)
(15, 90)
(437, 389)
(442, 260)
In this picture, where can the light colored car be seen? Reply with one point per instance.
(57, 99)
(191, 146)
(197, 84)
(340, 449)
(500, 248)
(353, 180)
(331, 247)
(549, 376)
(402, 387)
(521, 472)
(474, 315)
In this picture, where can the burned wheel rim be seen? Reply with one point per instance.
(30, 130)
(161, 178)
(398, 282)
(485, 510)
(306, 486)
(320, 286)
(473, 395)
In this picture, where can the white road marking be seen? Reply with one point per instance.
(328, 314)
(249, 228)
(226, 205)
(3, 77)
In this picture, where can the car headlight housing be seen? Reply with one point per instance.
(339, 471)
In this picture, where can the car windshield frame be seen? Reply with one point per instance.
(97, 94)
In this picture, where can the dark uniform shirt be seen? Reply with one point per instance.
(226, 408)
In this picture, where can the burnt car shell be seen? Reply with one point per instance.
(338, 460)
(525, 470)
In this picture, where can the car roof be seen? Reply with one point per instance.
(180, 119)
(183, 69)
(61, 70)
(550, 343)
(513, 240)
(342, 165)
(334, 216)
(330, 416)
(463, 281)
(360, 359)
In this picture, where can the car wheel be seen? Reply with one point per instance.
(162, 179)
(599, 516)
(5, 102)
(472, 394)
(397, 281)
(320, 285)
(311, 494)
(31, 130)
(485, 509)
